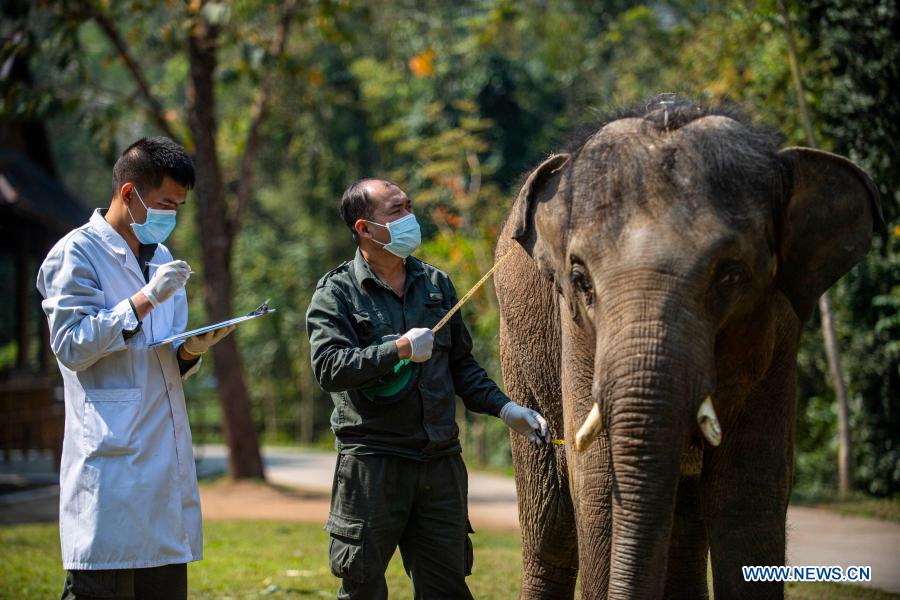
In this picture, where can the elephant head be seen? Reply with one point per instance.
(679, 239)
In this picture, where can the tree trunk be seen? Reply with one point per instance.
(237, 422)
(845, 463)
(845, 460)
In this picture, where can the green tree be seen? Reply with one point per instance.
(190, 40)
(455, 102)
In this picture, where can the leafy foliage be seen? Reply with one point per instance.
(455, 103)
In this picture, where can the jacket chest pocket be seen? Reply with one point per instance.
(436, 312)
(110, 417)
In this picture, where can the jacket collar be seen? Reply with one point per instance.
(115, 241)
(109, 235)
(363, 272)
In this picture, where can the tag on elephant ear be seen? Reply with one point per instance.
(832, 210)
(540, 186)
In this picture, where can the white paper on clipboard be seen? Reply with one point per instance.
(262, 310)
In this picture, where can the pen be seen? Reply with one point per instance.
(150, 264)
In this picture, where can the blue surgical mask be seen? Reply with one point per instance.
(156, 227)
(405, 235)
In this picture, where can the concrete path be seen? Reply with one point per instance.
(820, 537)
(815, 537)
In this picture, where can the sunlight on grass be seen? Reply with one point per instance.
(270, 559)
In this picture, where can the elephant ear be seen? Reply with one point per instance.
(832, 208)
(538, 190)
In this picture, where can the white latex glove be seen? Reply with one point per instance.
(421, 340)
(523, 420)
(168, 279)
(198, 344)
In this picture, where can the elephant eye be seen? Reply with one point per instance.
(730, 273)
(581, 282)
(730, 279)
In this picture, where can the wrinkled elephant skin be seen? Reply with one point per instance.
(662, 271)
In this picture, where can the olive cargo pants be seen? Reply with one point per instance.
(380, 501)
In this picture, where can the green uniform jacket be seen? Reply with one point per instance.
(351, 310)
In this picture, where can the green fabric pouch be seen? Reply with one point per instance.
(395, 385)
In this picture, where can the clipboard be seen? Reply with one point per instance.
(263, 309)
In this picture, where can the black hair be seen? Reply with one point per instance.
(355, 204)
(147, 161)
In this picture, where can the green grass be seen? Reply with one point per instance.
(268, 559)
(832, 591)
(249, 560)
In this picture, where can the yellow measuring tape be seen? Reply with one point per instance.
(468, 295)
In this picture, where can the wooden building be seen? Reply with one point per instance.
(35, 211)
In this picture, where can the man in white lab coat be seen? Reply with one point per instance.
(129, 505)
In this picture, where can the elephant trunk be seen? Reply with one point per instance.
(648, 383)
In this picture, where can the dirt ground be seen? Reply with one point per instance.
(251, 500)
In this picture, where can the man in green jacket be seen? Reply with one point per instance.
(399, 478)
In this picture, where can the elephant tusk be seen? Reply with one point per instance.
(709, 422)
(589, 431)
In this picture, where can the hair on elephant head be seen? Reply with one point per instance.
(686, 250)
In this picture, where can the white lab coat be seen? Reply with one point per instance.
(128, 486)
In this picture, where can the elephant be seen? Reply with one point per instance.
(661, 270)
